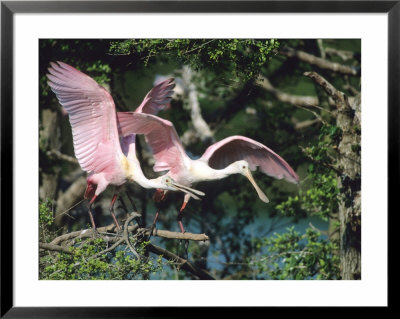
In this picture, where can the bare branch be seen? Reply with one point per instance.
(286, 97)
(317, 116)
(320, 62)
(86, 233)
(176, 235)
(321, 48)
(200, 126)
(341, 100)
(304, 124)
(344, 55)
(183, 263)
(58, 155)
(55, 248)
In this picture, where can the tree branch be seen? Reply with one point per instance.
(55, 248)
(183, 263)
(286, 97)
(320, 62)
(86, 233)
(53, 153)
(201, 128)
(340, 99)
(344, 55)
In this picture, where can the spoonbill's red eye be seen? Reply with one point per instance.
(243, 167)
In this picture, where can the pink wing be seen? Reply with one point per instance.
(92, 116)
(160, 134)
(157, 98)
(235, 148)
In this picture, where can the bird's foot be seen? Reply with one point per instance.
(152, 231)
(183, 246)
(95, 233)
(143, 234)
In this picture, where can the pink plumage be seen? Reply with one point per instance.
(235, 148)
(158, 98)
(92, 117)
(97, 145)
(235, 154)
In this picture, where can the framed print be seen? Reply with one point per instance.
(196, 154)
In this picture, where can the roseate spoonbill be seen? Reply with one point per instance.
(232, 155)
(97, 147)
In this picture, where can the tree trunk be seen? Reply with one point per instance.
(349, 180)
(350, 183)
(49, 140)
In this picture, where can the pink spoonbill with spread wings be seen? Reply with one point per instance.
(232, 155)
(97, 144)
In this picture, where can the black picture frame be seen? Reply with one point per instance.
(9, 8)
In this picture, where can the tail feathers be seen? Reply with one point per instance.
(90, 190)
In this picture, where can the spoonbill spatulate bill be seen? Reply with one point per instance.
(96, 141)
(232, 155)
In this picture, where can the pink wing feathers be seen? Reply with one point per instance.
(235, 148)
(92, 116)
(160, 134)
(158, 97)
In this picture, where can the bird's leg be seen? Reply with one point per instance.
(153, 225)
(180, 214)
(112, 209)
(91, 215)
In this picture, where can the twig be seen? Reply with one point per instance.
(318, 117)
(69, 199)
(328, 165)
(199, 47)
(317, 229)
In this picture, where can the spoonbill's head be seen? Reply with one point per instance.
(169, 184)
(243, 168)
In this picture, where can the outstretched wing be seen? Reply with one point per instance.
(160, 135)
(92, 116)
(157, 98)
(235, 148)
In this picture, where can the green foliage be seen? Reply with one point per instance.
(100, 71)
(46, 220)
(240, 56)
(296, 256)
(45, 212)
(80, 264)
(86, 260)
(321, 198)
